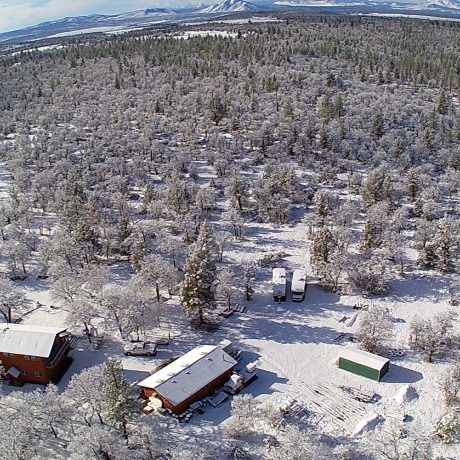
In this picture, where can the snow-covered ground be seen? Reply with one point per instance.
(292, 342)
(411, 16)
(205, 33)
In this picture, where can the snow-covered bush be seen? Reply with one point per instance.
(448, 426)
(450, 386)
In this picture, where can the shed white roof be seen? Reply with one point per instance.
(23, 339)
(190, 373)
(363, 357)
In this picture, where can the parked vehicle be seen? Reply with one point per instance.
(298, 285)
(279, 284)
(140, 349)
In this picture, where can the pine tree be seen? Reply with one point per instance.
(446, 243)
(198, 290)
(120, 399)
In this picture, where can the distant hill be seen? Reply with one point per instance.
(230, 6)
(146, 17)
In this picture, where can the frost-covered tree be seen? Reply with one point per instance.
(446, 243)
(374, 330)
(391, 444)
(19, 438)
(432, 338)
(245, 410)
(368, 275)
(172, 247)
(226, 285)
(377, 186)
(99, 442)
(198, 289)
(293, 443)
(158, 271)
(49, 409)
(12, 301)
(324, 206)
(450, 386)
(249, 277)
(423, 242)
(86, 396)
(223, 240)
(238, 191)
(233, 218)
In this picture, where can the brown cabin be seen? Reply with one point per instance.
(33, 354)
(189, 378)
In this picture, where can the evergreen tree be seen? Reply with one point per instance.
(446, 243)
(120, 399)
(198, 290)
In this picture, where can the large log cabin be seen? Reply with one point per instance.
(33, 354)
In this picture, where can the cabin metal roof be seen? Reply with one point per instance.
(23, 339)
(190, 373)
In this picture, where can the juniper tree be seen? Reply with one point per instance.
(198, 290)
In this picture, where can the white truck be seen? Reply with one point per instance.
(279, 284)
(298, 285)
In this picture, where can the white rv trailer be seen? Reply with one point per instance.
(298, 285)
(279, 284)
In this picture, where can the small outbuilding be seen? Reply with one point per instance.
(189, 378)
(363, 363)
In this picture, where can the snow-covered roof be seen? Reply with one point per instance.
(363, 357)
(299, 278)
(190, 373)
(23, 339)
(279, 281)
(279, 275)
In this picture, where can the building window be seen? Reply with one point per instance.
(8, 355)
(38, 374)
(27, 357)
(25, 372)
(33, 358)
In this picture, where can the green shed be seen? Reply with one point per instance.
(363, 363)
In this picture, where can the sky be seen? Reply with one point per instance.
(16, 14)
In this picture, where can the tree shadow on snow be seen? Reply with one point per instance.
(420, 287)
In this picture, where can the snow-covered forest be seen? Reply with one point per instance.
(147, 182)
